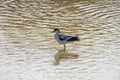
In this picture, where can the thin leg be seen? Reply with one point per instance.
(64, 47)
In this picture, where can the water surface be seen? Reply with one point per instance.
(27, 45)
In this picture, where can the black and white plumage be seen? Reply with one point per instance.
(63, 39)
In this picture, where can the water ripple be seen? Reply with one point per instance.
(27, 45)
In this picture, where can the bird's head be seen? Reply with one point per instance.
(56, 30)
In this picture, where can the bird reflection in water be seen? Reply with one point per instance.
(64, 55)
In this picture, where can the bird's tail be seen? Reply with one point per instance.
(77, 38)
(74, 39)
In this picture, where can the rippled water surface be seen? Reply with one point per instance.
(27, 45)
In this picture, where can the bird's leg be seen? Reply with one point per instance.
(64, 47)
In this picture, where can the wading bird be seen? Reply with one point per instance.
(63, 39)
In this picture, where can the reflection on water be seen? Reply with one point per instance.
(27, 46)
(62, 55)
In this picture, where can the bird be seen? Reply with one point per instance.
(63, 39)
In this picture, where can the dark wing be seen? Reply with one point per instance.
(68, 38)
(64, 37)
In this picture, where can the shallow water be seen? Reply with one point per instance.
(27, 45)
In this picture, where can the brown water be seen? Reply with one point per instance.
(27, 45)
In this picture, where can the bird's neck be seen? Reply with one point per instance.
(57, 35)
(57, 32)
